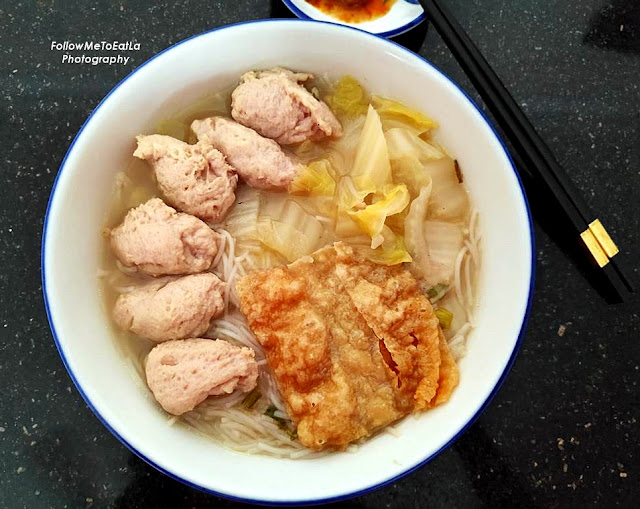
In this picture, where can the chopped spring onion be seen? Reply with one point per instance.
(251, 399)
(282, 423)
(271, 412)
(445, 317)
(437, 291)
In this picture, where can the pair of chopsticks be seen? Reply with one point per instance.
(529, 147)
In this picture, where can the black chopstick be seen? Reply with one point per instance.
(529, 146)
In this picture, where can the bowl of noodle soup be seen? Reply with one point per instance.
(493, 271)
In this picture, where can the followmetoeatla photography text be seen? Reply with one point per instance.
(111, 52)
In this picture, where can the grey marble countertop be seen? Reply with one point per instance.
(562, 431)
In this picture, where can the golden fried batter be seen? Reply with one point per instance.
(449, 374)
(354, 346)
(392, 304)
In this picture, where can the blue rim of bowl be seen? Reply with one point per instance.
(390, 33)
(346, 496)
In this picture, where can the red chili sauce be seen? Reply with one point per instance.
(353, 11)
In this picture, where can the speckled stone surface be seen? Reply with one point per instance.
(562, 431)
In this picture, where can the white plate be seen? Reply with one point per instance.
(169, 82)
(403, 16)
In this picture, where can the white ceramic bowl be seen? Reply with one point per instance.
(179, 76)
(402, 17)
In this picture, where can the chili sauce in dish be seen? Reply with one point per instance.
(353, 11)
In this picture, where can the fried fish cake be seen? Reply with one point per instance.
(449, 375)
(399, 314)
(325, 358)
(350, 355)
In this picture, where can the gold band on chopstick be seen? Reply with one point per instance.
(596, 250)
(599, 243)
(603, 238)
